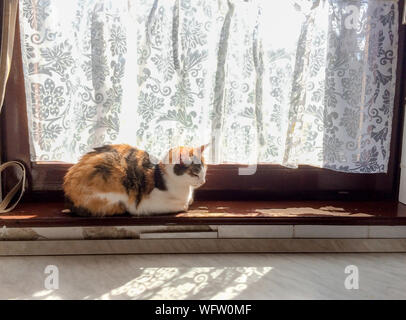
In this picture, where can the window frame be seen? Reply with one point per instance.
(223, 181)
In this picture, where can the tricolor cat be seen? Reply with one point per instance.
(115, 179)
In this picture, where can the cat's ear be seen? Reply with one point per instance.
(203, 147)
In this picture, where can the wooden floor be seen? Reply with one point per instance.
(223, 212)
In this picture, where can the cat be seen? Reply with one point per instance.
(116, 179)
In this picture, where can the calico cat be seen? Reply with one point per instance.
(115, 179)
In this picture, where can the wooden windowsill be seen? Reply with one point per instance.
(49, 214)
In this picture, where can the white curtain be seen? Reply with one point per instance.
(280, 82)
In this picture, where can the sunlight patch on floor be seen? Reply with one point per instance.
(184, 283)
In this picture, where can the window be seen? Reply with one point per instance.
(312, 84)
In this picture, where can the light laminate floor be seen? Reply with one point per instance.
(204, 276)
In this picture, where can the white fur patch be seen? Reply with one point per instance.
(112, 197)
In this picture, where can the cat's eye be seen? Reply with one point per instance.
(195, 170)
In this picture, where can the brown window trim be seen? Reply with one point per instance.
(223, 182)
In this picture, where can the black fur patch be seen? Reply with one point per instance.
(195, 168)
(159, 179)
(135, 176)
(179, 169)
(146, 162)
(104, 170)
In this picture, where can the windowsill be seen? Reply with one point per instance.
(49, 214)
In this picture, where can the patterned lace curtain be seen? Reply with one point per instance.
(280, 82)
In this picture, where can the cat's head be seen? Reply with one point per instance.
(187, 165)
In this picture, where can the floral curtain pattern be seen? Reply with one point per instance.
(281, 82)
